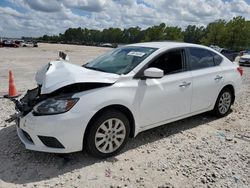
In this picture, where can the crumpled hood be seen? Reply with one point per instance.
(58, 74)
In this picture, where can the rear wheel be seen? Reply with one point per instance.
(223, 103)
(108, 134)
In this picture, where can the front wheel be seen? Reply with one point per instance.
(108, 134)
(223, 103)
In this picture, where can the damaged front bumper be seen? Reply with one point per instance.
(25, 104)
(51, 133)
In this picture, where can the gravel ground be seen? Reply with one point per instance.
(200, 151)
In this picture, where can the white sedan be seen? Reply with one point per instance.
(245, 59)
(100, 105)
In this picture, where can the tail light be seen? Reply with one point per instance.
(240, 70)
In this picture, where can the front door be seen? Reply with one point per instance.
(169, 97)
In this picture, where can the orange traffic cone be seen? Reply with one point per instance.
(12, 88)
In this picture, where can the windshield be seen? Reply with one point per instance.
(121, 60)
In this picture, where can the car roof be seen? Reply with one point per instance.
(167, 44)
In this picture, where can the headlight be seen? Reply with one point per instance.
(54, 106)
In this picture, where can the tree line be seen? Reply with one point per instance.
(233, 34)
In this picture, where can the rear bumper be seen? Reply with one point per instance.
(61, 133)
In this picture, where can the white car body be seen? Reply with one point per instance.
(152, 102)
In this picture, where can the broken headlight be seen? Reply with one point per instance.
(53, 106)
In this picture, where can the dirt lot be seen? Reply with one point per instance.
(25, 61)
(200, 151)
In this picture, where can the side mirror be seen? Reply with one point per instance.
(153, 73)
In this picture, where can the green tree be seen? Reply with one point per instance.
(113, 35)
(131, 35)
(237, 33)
(155, 33)
(215, 33)
(173, 33)
(234, 34)
(194, 34)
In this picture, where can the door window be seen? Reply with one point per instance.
(170, 62)
(200, 58)
(217, 59)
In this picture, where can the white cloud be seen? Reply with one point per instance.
(44, 6)
(87, 5)
(51, 17)
(9, 11)
(240, 6)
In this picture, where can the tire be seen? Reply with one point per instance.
(223, 103)
(108, 134)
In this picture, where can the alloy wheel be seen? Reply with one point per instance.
(225, 102)
(110, 135)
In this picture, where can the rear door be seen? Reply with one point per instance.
(207, 78)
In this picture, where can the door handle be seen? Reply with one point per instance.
(185, 84)
(218, 77)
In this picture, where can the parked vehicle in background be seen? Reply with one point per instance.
(245, 58)
(18, 42)
(132, 89)
(109, 45)
(246, 52)
(35, 44)
(11, 44)
(29, 44)
(230, 54)
(215, 47)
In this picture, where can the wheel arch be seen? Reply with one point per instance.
(123, 109)
(231, 88)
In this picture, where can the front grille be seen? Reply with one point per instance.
(27, 136)
(50, 142)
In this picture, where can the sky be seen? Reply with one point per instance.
(38, 17)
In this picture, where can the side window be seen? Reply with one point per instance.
(217, 58)
(200, 58)
(170, 62)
